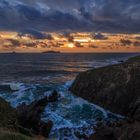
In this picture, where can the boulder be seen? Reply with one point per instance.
(54, 96)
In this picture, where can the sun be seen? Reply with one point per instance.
(70, 45)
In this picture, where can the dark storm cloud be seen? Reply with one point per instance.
(96, 15)
(32, 33)
(99, 36)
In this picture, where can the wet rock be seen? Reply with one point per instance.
(30, 115)
(54, 96)
(121, 61)
(103, 133)
(45, 128)
(80, 136)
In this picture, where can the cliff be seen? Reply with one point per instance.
(116, 87)
(9, 125)
(24, 123)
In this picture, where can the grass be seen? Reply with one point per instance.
(8, 115)
(8, 135)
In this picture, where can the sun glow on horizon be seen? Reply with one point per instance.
(70, 45)
(75, 42)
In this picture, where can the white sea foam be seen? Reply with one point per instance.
(68, 84)
(59, 122)
(13, 86)
(20, 94)
(79, 101)
(116, 115)
(64, 113)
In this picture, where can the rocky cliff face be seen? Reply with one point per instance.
(8, 116)
(9, 125)
(116, 88)
(25, 121)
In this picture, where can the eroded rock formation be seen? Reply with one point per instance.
(116, 88)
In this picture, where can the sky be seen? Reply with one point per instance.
(36, 17)
(81, 15)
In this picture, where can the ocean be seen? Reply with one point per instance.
(37, 75)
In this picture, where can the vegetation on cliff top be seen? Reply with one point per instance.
(9, 127)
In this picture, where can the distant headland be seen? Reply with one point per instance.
(51, 52)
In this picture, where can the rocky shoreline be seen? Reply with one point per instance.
(115, 88)
(26, 119)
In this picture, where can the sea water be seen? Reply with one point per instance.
(71, 115)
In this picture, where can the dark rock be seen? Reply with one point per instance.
(126, 131)
(103, 132)
(111, 123)
(81, 136)
(121, 61)
(8, 115)
(29, 116)
(115, 87)
(45, 128)
(9, 121)
(54, 96)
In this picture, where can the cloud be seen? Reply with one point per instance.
(93, 46)
(32, 33)
(96, 15)
(99, 36)
(10, 43)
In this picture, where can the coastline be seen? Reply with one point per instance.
(115, 88)
(123, 123)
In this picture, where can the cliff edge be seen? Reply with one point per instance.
(116, 87)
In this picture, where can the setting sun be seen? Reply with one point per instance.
(70, 45)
